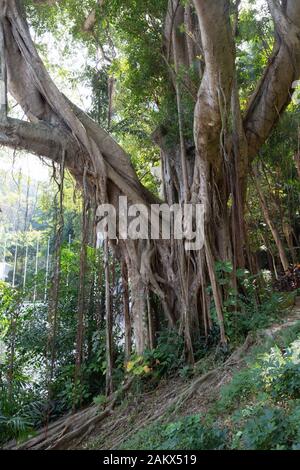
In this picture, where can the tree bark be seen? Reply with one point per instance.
(271, 225)
(218, 168)
(81, 303)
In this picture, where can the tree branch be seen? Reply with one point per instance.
(274, 91)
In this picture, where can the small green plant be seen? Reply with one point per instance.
(242, 386)
(15, 426)
(280, 372)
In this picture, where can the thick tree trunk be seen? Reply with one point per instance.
(109, 322)
(216, 171)
(81, 304)
(139, 311)
(127, 319)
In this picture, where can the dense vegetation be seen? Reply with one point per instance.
(258, 410)
(81, 318)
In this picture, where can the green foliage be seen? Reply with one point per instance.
(9, 301)
(254, 45)
(14, 427)
(281, 372)
(267, 427)
(241, 389)
(165, 360)
(272, 375)
(100, 400)
(169, 353)
(188, 433)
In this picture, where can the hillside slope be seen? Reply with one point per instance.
(131, 414)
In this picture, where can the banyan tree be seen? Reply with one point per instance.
(212, 169)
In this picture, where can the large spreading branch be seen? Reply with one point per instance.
(38, 138)
(57, 127)
(274, 90)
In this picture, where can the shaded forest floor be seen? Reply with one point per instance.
(128, 414)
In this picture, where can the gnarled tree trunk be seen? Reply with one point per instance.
(213, 171)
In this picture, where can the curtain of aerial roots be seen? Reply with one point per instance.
(54, 290)
(93, 304)
(268, 218)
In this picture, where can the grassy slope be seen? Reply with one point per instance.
(252, 401)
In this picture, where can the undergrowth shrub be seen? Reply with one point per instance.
(280, 372)
(265, 429)
(240, 389)
(258, 410)
(252, 306)
(189, 433)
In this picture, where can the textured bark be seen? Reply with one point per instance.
(274, 90)
(3, 78)
(212, 113)
(127, 319)
(91, 19)
(138, 310)
(223, 155)
(213, 158)
(271, 225)
(216, 169)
